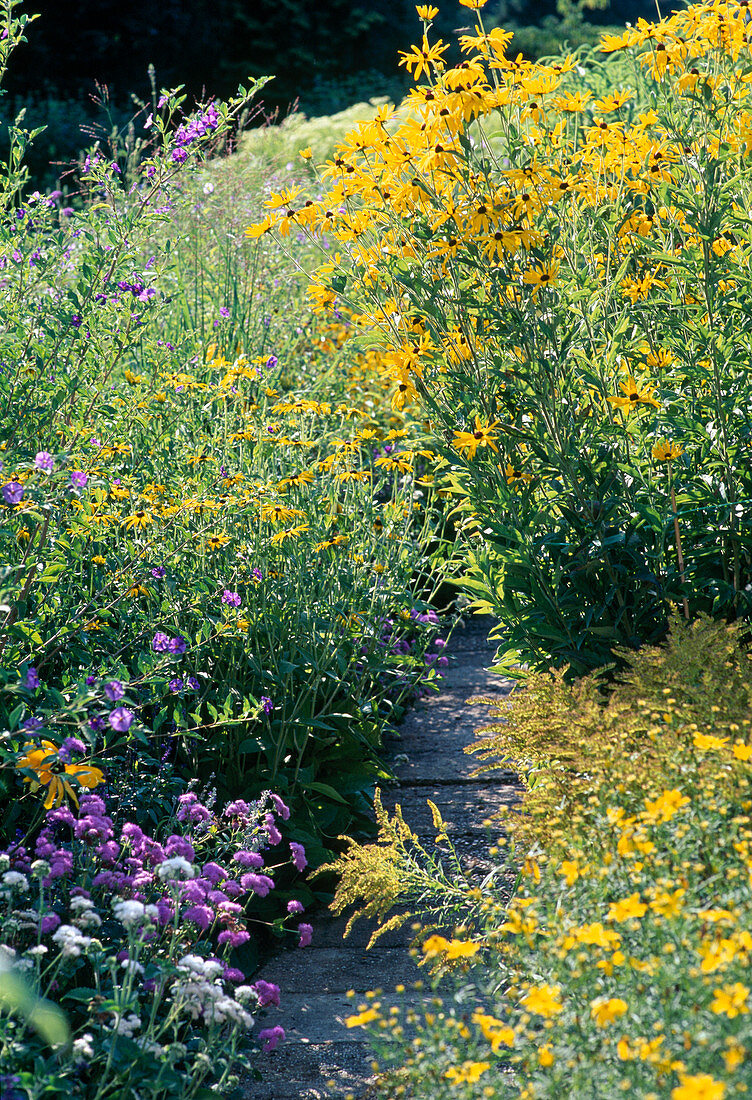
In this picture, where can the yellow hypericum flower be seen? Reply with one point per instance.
(668, 905)
(633, 395)
(52, 773)
(630, 908)
(706, 742)
(665, 451)
(494, 1030)
(362, 1018)
(306, 153)
(543, 1000)
(604, 1010)
(570, 868)
(742, 751)
(467, 443)
(469, 1072)
(461, 949)
(664, 807)
(731, 1000)
(426, 12)
(700, 1086)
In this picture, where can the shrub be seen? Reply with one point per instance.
(553, 260)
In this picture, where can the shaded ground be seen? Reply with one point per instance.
(320, 1057)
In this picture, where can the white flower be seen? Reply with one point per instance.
(14, 880)
(78, 904)
(40, 867)
(39, 950)
(176, 868)
(88, 919)
(82, 1048)
(130, 913)
(245, 993)
(70, 941)
(127, 1025)
(132, 966)
(7, 956)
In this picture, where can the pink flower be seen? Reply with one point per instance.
(295, 907)
(260, 884)
(306, 935)
(298, 856)
(282, 809)
(268, 993)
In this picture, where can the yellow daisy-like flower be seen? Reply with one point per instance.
(706, 742)
(474, 5)
(52, 773)
(426, 12)
(138, 519)
(306, 153)
(699, 1086)
(665, 451)
(633, 395)
(469, 1072)
(630, 908)
(742, 751)
(216, 542)
(362, 1018)
(467, 443)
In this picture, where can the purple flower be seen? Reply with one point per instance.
(76, 320)
(271, 362)
(234, 939)
(268, 993)
(177, 645)
(176, 685)
(13, 492)
(121, 719)
(232, 974)
(257, 575)
(97, 723)
(114, 690)
(201, 915)
(271, 830)
(238, 808)
(295, 906)
(160, 643)
(70, 748)
(79, 479)
(224, 311)
(160, 572)
(298, 856)
(90, 680)
(49, 923)
(232, 599)
(306, 935)
(32, 723)
(32, 678)
(259, 884)
(214, 872)
(193, 683)
(44, 461)
(249, 859)
(266, 704)
(271, 1037)
(281, 808)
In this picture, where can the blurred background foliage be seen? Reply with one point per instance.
(324, 56)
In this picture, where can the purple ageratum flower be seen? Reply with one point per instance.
(160, 643)
(232, 974)
(271, 1037)
(266, 704)
(159, 573)
(70, 749)
(32, 678)
(280, 807)
(271, 830)
(233, 939)
(49, 923)
(177, 645)
(298, 856)
(249, 859)
(79, 479)
(121, 719)
(267, 992)
(295, 906)
(306, 935)
(13, 492)
(114, 690)
(200, 915)
(259, 884)
(232, 599)
(44, 461)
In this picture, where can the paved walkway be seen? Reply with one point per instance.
(320, 1057)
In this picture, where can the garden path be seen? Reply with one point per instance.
(320, 1057)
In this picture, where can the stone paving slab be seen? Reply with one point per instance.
(320, 1057)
